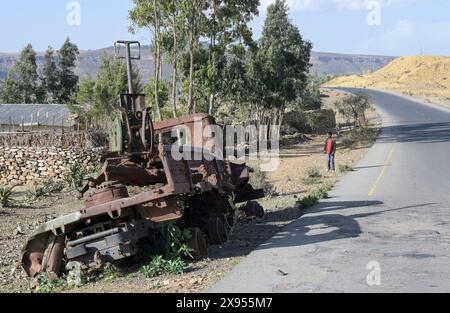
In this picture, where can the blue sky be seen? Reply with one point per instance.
(406, 27)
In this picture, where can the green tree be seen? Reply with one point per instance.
(226, 24)
(99, 99)
(175, 45)
(199, 92)
(354, 107)
(149, 14)
(50, 77)
(27, 78)
(281, 65)
(111, 82)
(163, 96)
(311, 98)
(68, 80)
(86, 93)
(193, 23)
(10, 92)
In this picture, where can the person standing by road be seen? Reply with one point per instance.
(330, 151)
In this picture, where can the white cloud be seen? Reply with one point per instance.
(323, 5)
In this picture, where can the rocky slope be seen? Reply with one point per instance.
(323, 63)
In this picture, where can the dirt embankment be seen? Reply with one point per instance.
(18, 223)
(424, 77)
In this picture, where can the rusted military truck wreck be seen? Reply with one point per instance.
(198, 192)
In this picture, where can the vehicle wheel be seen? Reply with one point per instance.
(254, 209)
(198, 243)
(218, 230)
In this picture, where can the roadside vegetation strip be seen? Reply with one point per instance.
(315, 196)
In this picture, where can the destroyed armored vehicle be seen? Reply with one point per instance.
(198, 192)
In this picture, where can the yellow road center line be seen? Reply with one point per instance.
(386, 164)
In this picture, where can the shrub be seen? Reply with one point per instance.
(176, 242)
(313, 172)
(6, 199)
(45, 189)
(316, 195)
(52, 186)
(348, 143)
(77, 174)
(259, 180)
(311, 180)
(354, 107)
(36, 193)
(306, 202)
(345, 168)
(176, 249)
(154, 268)
(159, 266)
(175, 266)
(46, 285)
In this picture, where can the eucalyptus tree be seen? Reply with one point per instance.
(227, 25)
(149, 14)
(50, 77)
(281, 65)
(193, 22)
(174, 44)
(26, 76)
(67, 78)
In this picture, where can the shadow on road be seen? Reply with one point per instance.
(421, 133)
(317, 227)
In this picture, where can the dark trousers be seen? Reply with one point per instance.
(331, 166)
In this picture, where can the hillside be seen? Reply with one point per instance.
(424, 76)
(323, 63)
(337, 64)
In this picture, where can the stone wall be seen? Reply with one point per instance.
(82, 139)
(30, 165)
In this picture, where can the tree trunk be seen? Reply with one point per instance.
(212, 62)
(175, 68)
(191, 77)
(158, 62)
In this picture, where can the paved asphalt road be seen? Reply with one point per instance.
(392, 213)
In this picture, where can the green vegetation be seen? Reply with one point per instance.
(6, 200)
(259, 180)
(249, 79)
(357, 136)
(354, 107)
(47, 285)
(344, 168)
(313, 176)
(311, 98)
(217, 66)
(176, 242)
(99, 99)
(56, 84)
(316, 195)
(77, 174)
(176, 249)
(159, 266)
(45, 189)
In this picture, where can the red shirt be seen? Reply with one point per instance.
(330, 146)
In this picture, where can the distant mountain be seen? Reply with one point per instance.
(323, 63)
(337, 64)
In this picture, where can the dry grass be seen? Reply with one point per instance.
(426, 77)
